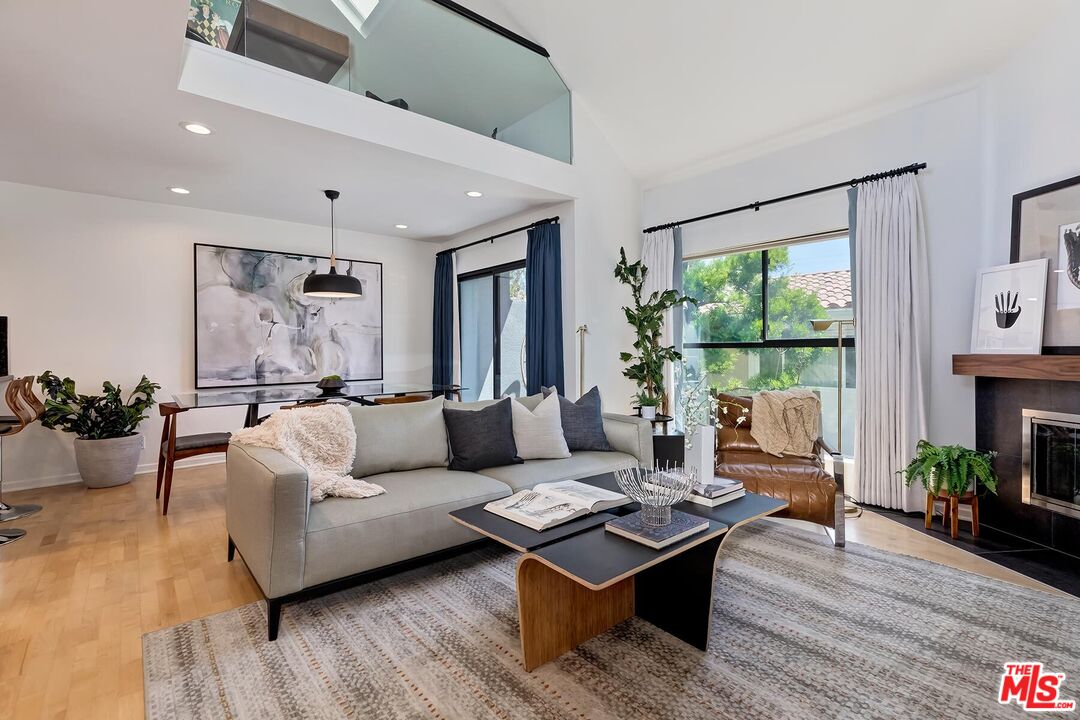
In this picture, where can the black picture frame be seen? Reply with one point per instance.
(195, 318)
(1016, 252)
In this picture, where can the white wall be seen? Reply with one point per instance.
(101, 288)
(946, 135)
(1031, 124)
(594, 226)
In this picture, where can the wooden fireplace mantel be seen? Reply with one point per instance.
(1022, 367)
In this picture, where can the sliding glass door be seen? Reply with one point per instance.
(492, 313)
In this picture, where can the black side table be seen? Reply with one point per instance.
(669, 449)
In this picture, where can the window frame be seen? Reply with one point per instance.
(496, 341)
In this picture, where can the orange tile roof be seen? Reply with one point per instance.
(833, 288)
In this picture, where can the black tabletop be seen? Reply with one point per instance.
(293, 393)
(732, 513)
(519, 537)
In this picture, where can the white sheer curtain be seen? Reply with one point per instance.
(658, 255)
(892, 343)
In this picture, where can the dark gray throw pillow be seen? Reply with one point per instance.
(481, 438)
(582, 421)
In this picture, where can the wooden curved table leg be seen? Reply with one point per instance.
(556, 614)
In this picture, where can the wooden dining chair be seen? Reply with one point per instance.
(175, 448)
(21, 400)
(398, 399)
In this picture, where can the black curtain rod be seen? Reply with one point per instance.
(755, 206)
(493, 238)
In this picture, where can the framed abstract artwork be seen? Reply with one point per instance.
(1009, 308)
(255, 326)
(1046, 224)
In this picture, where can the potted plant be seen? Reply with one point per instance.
(648, 405)
(107, 446)
(950, 468)
(331, 386)
(645, 366)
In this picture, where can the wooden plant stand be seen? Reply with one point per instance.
(951, 515)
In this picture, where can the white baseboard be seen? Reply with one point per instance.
(16, 484)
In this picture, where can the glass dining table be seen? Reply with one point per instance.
(364, 393)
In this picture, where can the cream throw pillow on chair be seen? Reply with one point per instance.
(538, 433)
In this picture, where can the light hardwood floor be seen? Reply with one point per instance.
(101, 568)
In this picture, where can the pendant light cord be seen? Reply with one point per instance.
(333, 243)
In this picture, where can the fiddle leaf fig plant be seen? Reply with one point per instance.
(950, 467)
(94, 417)
(645, 365)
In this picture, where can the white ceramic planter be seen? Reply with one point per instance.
(648, 412)
(107, 463)
(701, 455)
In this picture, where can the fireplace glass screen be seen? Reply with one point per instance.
(1054, 464)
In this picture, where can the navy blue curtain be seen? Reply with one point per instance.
(543, 310)
(442, 335)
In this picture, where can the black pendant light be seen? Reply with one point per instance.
(332, 285)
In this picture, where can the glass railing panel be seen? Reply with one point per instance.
(418, 55)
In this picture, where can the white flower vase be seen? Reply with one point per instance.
(648, 412)
(700, 455)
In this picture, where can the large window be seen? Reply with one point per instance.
(492, 319)
(752, 331)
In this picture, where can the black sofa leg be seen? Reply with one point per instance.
(273, 618)
(232, 549)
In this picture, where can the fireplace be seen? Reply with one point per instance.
(1050, 455)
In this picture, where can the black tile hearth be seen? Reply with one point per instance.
(999, 403)
(1055, 568)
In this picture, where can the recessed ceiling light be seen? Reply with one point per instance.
(196, 128)
(180, 190)
(399, 226)
(474, 193)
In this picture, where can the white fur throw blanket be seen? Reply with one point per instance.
(319, 438)
(786, 422)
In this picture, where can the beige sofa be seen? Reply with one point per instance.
(296, 549)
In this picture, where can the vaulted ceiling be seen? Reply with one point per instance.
(673, 84)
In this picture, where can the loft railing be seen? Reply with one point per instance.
(432, 57)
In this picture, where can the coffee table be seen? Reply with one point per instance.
(577, 580)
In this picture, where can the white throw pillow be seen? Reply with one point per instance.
(538, 433)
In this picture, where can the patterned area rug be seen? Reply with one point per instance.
(801, 630)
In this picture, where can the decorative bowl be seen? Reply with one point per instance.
(331, 386)
(656, 489)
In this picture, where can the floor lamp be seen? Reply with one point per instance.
(821, 326)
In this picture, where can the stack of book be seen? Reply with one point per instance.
(717, 492)
(632, 527)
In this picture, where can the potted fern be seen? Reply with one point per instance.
(645, 366)
(107, 446)
(950, 468)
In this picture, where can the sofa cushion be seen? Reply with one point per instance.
(531, 401)
(731, 407)
(481, 438)
(583, 421)
(580, 465)
(404, 436)
(737, 439)
(538, 434)
(803, 482)
(347, 536)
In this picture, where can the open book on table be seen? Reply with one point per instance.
(551, 504)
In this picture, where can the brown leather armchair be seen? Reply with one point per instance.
(811, 492)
